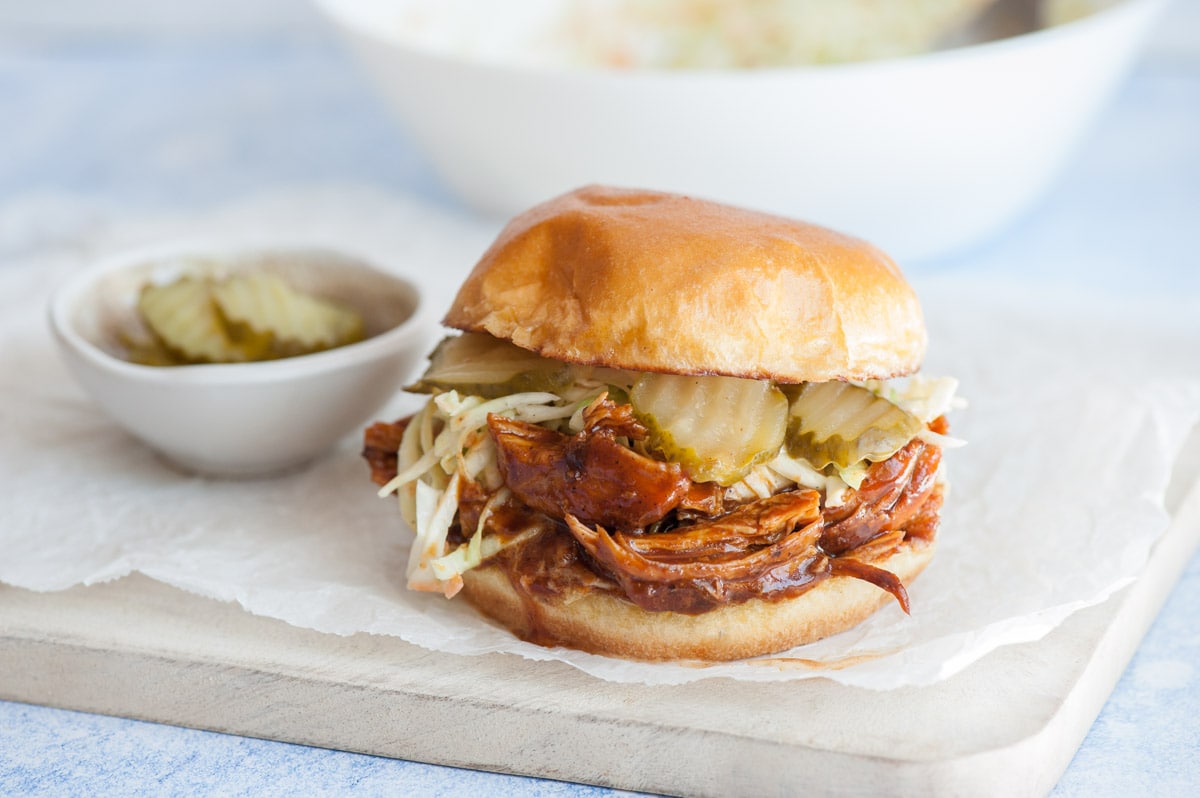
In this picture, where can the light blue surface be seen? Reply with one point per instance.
(209, 120)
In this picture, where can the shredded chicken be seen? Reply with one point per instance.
(891, 494)
(702, 565)
(590, 475)
(885, 580)
(740, 545)
(381, 441)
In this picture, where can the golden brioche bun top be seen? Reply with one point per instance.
(661, 282)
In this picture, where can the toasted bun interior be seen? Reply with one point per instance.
(662, 282)
(603, 623)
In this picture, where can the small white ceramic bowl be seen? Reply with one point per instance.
(922, 155)
(244, 419)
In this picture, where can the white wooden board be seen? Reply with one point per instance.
(1007, 726)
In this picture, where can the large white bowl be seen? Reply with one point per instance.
(241, 419)
(922, 155)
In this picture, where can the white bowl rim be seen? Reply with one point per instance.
(1001, 47)
(74, 289)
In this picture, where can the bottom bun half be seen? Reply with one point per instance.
(604, 623)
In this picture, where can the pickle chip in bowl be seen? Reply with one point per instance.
(239, 361)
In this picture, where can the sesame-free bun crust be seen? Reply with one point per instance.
(603, 623)
(661, 282)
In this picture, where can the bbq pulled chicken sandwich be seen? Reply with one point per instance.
(672, 429)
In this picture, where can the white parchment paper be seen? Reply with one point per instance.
(1078, 412)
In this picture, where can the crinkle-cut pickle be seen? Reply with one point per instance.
(483, 365)
(295, 322)
(185, 318)
(717, 428)
(840, 424)
(246, 317)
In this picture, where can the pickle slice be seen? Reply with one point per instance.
(185, 318)
(483, 365)
(148, 350)
(839, 424)
(717, 428)
(298, 323)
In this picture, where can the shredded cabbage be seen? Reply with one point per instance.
(924, 397)
(445, 444)
(786, 471)
(435, 513)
